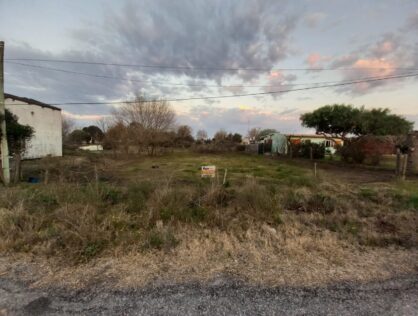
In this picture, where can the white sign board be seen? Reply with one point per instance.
(208, 171)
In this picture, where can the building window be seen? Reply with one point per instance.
(327, 143)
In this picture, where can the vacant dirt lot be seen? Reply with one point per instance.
(101, 224)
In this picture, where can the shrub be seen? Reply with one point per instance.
(303, 150)
(352, 152)
(137, 195)
(258, 201)
(161, 239)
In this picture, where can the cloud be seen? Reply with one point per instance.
(367, 68)
(385, 57)
(313, 59)
(278, 81)
(313, 19)
(373, 67)
(208, 34)
(316, 60)
(240, 118)
(412, 22)
(196, 34)
(81, 117)
(386, 46)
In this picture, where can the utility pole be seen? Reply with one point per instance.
(4, 148)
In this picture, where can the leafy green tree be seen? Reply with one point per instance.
(340, 120)
(381, 122)
(18, 136)
(79, 136)
(237, 138)
(337, 120)
(95, 133)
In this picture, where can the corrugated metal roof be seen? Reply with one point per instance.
(30, 101)
(310, 136)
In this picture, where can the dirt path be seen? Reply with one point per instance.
(222, 296)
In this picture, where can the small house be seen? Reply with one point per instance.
(331, 144)
(46, 122)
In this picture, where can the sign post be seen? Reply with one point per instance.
(208, 171)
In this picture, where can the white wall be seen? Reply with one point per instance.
(47, 125)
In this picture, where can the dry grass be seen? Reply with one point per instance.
(271, 223)
(259, 256)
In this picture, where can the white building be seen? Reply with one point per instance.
(46, 122)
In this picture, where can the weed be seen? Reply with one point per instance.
(137, 195)
(413, 201)
(161, 240)
(368, 194)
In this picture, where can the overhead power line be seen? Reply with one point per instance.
(202, 67)
(177, 84)
(246, 94)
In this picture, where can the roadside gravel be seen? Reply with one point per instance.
(222, 296)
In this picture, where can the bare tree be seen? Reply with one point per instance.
(220, 136)
(201, 135)
(149, 114)
(117, 138)
(253, 133)
(104, 123)
(147, 120)
(184, 136)
(67, 127)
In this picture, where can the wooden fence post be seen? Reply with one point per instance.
(96, 178)
(226, 171)
(46, 179)
(398, 161)
(405, 163)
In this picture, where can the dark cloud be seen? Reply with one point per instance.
(254, 34)
(208, 34)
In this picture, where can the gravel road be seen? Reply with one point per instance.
(223, 296)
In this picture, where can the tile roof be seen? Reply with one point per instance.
(30, 101)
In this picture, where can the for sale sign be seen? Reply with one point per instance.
(208, 171)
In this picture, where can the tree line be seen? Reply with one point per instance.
(146, 126)
(149, 126)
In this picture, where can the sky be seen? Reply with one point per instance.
(205, 42)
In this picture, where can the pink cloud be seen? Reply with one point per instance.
(375, 67)
(369, 67)
(313, 59)
(239, 119)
